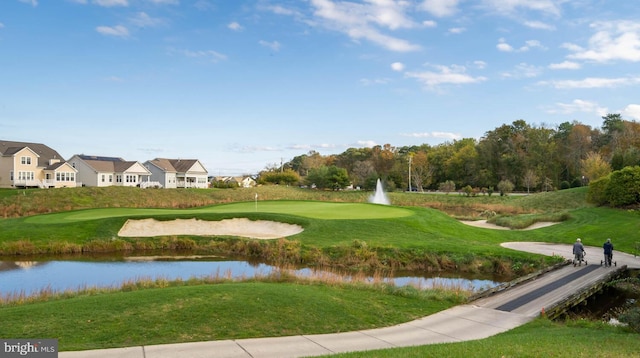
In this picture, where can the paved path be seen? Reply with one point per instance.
(481, 319)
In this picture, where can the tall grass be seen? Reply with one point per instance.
(332, 277)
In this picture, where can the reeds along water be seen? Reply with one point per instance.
(286, 273)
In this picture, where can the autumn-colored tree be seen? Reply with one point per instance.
(594, 167)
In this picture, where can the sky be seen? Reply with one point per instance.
(242, 85)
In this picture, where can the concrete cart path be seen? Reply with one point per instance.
(484, 318)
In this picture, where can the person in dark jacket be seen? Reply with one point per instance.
(578, 252)
(608, 252)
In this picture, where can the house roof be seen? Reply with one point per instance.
(107, 164)
(45, 153)
(174, 165)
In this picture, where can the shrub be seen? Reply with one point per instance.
(632, 318)
(505, 187)
(564, 185)
(597, 191)
(624, 187)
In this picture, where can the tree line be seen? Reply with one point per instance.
(520, 156)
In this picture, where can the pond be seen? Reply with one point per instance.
(29, 277)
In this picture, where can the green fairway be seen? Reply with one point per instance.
(309, 209)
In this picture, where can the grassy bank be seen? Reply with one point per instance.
(540, 338)
(189, 312)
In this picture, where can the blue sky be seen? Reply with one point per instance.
(241, 85)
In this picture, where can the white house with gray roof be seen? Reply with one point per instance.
(178, 173)
(109, 171)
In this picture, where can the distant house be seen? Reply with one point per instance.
(24, 165)
(243, 182)
(178, 173)
(109, 171)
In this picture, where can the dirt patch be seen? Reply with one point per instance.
(259, 229)
(486, 225)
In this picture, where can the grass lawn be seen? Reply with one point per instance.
(540, 338)
(413, 226)
(217, 311)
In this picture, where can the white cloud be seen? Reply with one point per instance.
(578, 105)
(208, 55)
(440, 8)
(529, 44)
(367, 21)
(397, 66)
(83, 2)
(445, 75)
(619, 40)
(523, 70)
(480, 64)
(632, 111)
(274, 46)
(33, 3)
(539, 25)
(1, 25)
(375, 81)
(429, 23)
(141, 19)
(592, 82)
(438, 135)
(204, 5)
(566, 65)
(503, 46)
(551, 7)
(119, 31)
(165, 2)
(235, 26)
(457, 30)
(110, 3)
(366, 143)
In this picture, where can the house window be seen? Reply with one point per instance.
(25, 160)
(118, 178)
(11, 175)
(103, 178)
(58, 176)
(26, 175)
(131, 179)
(110, 178)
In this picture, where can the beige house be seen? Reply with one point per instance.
(25, 165)
(109, 171)
(178, 173)
(243, 182)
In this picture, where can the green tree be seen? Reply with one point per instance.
(447, 186)
(530, 179)
(505, 187)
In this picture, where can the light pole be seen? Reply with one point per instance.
(410, 156)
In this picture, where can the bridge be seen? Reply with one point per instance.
(501, 310)
(559, 289)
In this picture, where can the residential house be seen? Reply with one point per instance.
(243, 182)
(109, 171)
(24, 165)
(178, 173)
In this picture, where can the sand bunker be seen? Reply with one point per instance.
(486, 225)
(259, 229)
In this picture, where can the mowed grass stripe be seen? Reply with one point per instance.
(309, 209)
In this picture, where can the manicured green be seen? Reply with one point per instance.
(331, 224)
(217, 311)
(540, 338)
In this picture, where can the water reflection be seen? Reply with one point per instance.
(29, 277)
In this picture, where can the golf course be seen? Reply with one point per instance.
(339, 230)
